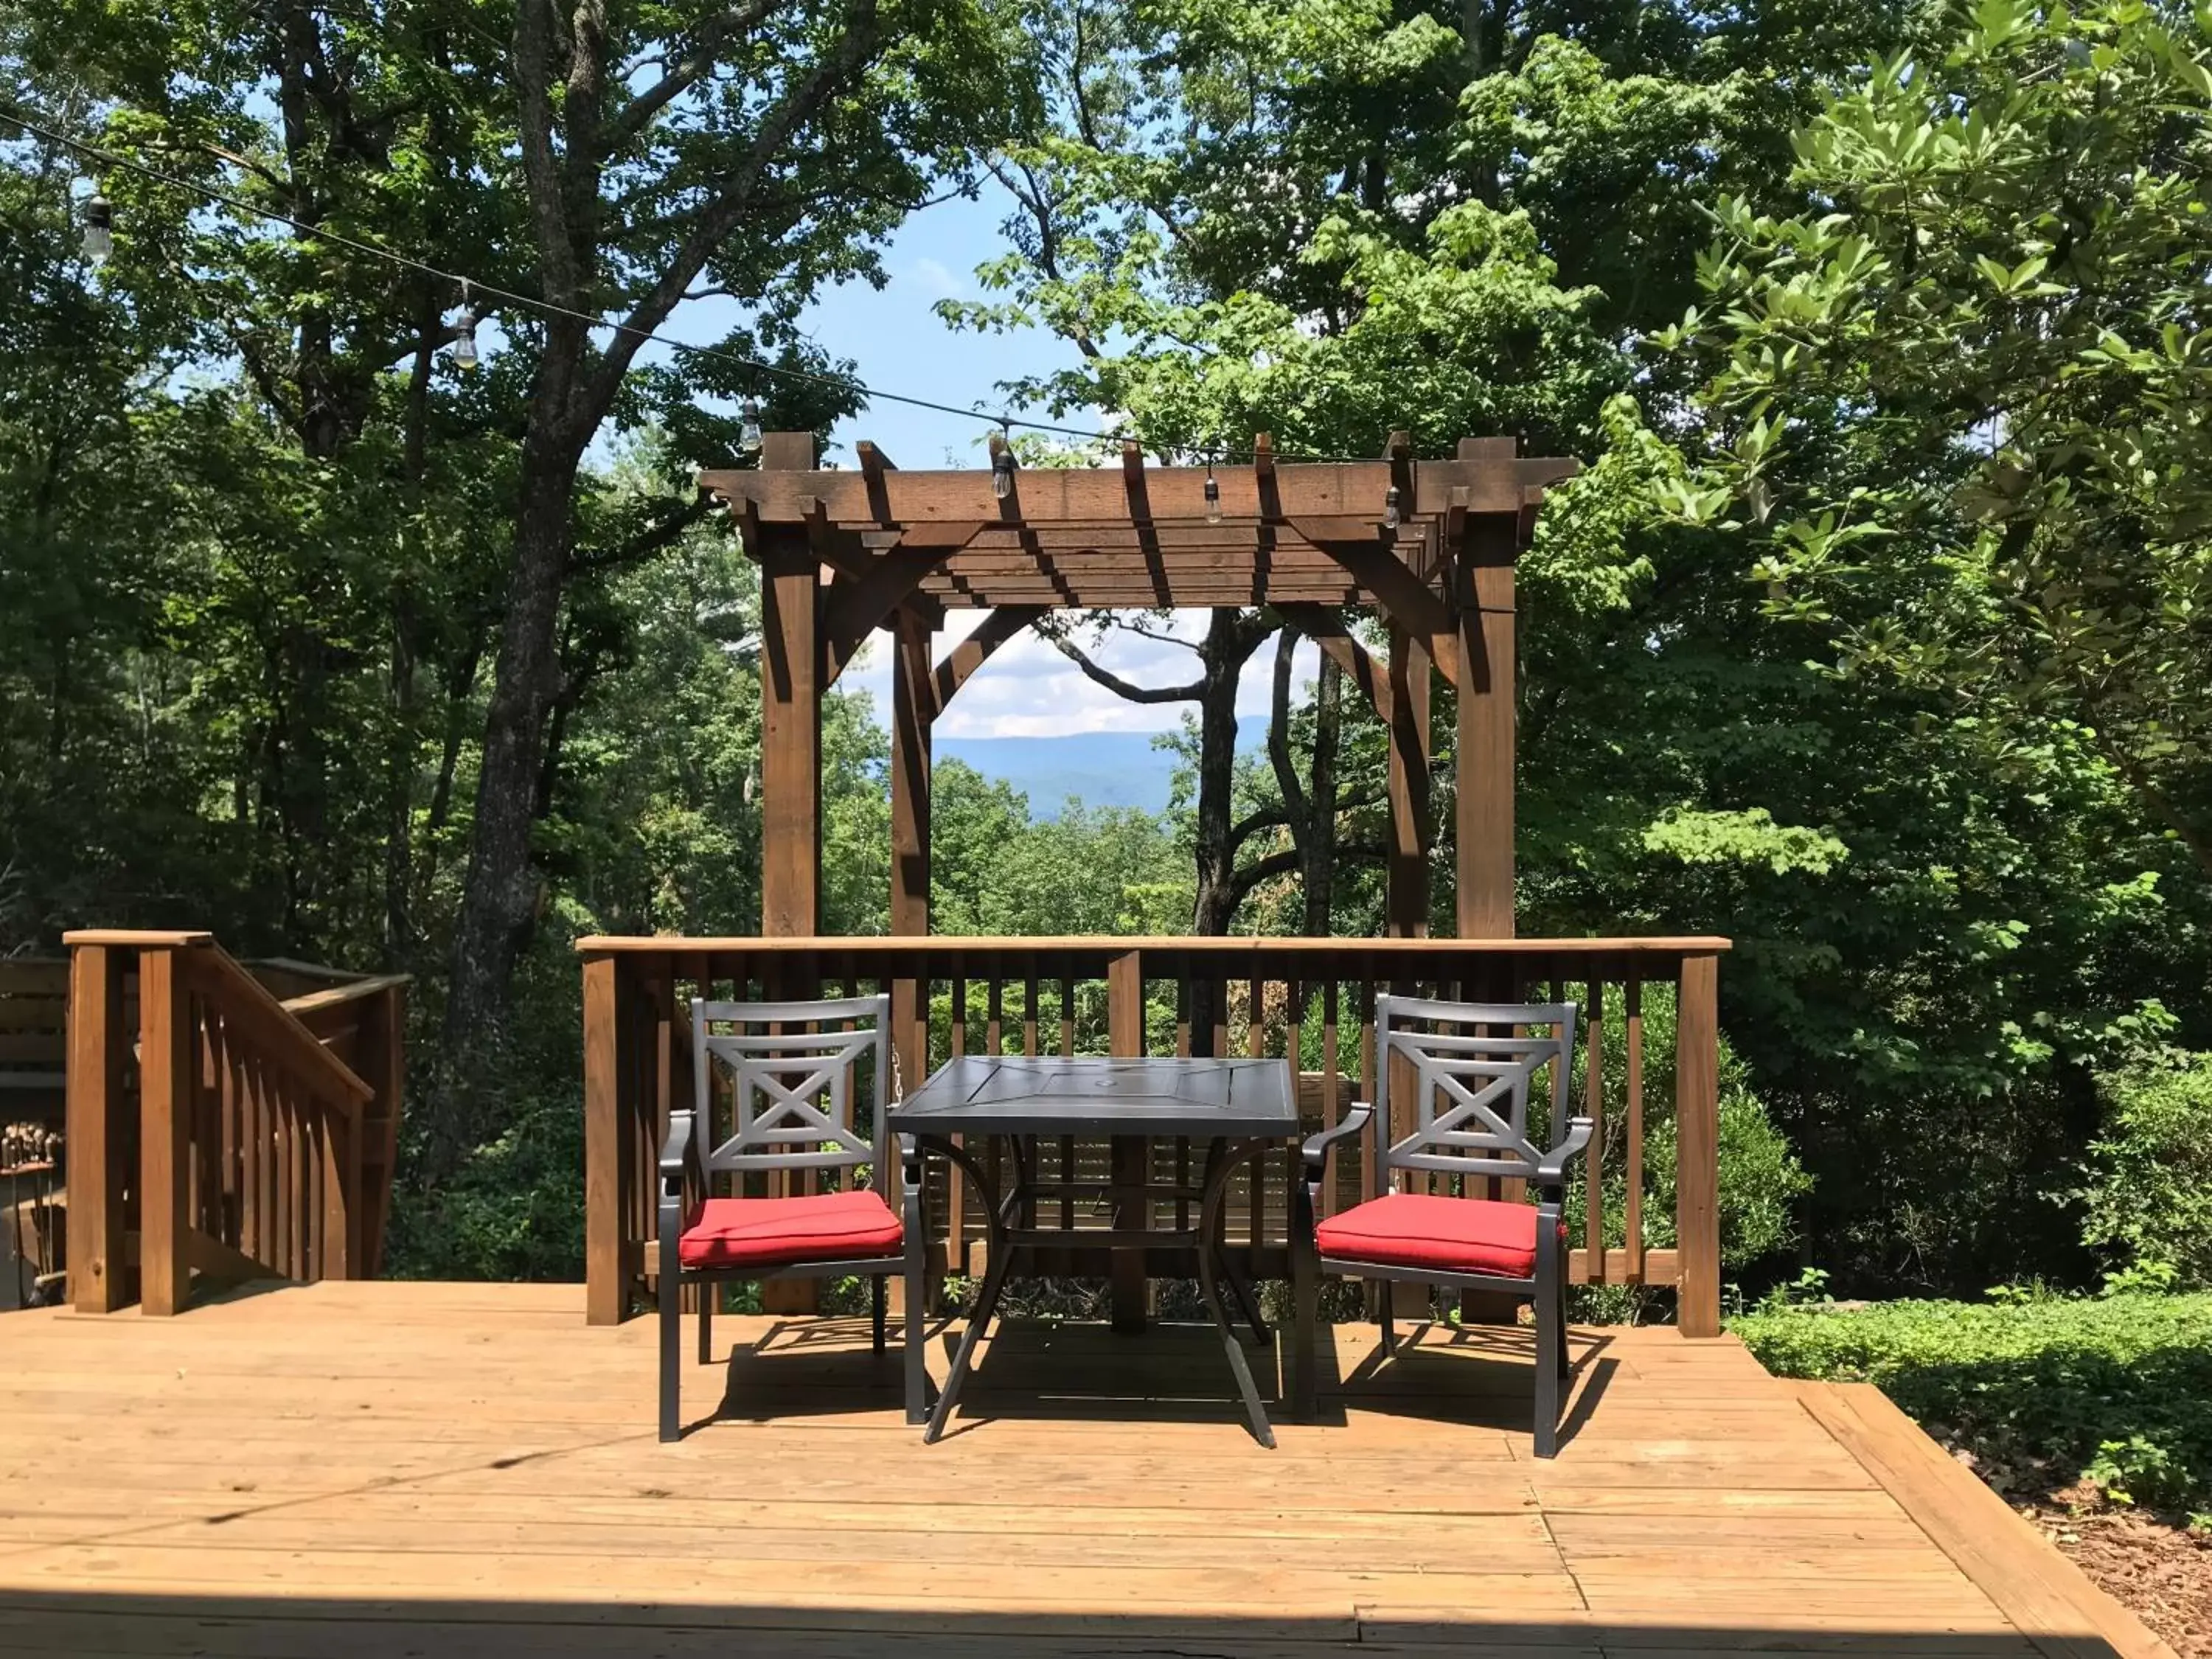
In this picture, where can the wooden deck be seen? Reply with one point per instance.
(357, 1469)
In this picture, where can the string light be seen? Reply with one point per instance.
(1002, 461)
(99, 242)
(1390, 508)
(99, 229)
(1213, 494)
(465, 332)
(749, 426)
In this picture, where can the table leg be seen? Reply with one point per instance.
(1217, 1188)
(987, 1295)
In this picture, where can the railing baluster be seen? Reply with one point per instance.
(1633, 1148)
(1593, 1109)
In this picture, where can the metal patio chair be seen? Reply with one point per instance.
(1473, 1067)
(791, 1068)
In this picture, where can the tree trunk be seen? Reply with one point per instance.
(1222, 661)
(499, 901)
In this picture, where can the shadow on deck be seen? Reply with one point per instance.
(356, 1468)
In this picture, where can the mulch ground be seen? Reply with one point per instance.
(2162, 1574)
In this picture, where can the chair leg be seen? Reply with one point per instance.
(1389, 1326)
(671, 1366)
(1550, 1348)
(709, 1293)
(879, 1307)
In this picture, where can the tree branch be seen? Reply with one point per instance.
(722, 214)
(1263, 818)
(534, 31)
(1285, 863)
(656, 537)
(1122, 688)
(716, 33)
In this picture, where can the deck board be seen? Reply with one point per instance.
(356, 1468)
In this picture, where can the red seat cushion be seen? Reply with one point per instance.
(1426, 1230)
(777, 1232)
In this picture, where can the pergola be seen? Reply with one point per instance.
(1429, 545)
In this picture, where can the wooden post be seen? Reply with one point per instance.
(1125, 1036)
(1697, 1145)
(165, 1120)
(341, 1180)
(607, 1143)
(1406, 871)
(790, 711)
(381, 1061)
(99, 1117)
(1483, 801)
(913, 692)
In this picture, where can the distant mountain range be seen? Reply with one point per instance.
(1099, 769)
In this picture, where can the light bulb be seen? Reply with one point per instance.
(749, 426)
(1002, 473)
(465, 338)
(1390, 508)
(1212, 497)
(99, 229)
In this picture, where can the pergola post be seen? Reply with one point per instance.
(1482, 586)
(913, 708)
(913, 711)
(791, 709)
(1406, 874)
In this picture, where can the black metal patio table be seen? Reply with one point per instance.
(1239, 1108)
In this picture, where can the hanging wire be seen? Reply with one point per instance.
(550, 308)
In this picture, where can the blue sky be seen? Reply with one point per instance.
(899, 344)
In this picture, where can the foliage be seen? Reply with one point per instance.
(2042, 1390)
(1961, 399)
(2147, 1200)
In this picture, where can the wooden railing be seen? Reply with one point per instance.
(214, 1129)
(1309, 998)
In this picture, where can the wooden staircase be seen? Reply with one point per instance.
(225, 1121)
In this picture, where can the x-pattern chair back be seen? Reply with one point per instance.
(791, 1068)
(1473, 1068)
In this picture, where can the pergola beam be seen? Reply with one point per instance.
(1050, 496)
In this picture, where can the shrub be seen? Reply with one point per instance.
(2148, 1197)
(1761, 1178)
(2044, 1391)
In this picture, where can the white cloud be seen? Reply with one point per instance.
(939, 278)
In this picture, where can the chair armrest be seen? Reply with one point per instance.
(1553, 1171)
(678, 1154)
(1315, 1151)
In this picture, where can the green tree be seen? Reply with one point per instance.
(1963, 406)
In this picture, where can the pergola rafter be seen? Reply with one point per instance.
(845, 554)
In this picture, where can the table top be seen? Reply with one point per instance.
(1052, 1095)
